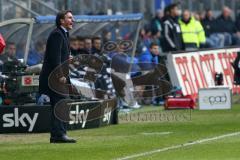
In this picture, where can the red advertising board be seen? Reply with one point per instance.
(196, 70)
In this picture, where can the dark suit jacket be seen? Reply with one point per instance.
(57, 52)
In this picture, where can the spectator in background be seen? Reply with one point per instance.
(140, 41)
(196, 16)
(74, 46)
(148, 36)
(106, 36)
(192, 31)
(156, 35)
(156, 28)
(10, 53)
(149, 58)
(122, 59)
(238, 22)
(208, 23)
(199, 16)
(236, 37)
(96, 45)
(213, 40)
(225, 26)
(148, 61)
(81, 45)
(36, 55)
(172, 35)
(201, 33)
(88, 45)
(156, 22)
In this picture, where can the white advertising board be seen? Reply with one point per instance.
(194, 70)
(214, 98)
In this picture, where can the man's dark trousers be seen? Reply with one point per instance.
(58, 127)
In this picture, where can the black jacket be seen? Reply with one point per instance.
(96, 51)
(172, 35)
(57, 52)
(209, 26)
(238, 22)
(225, 25)
(156, 25)
(236, 68)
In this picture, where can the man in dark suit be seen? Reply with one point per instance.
(57, 53)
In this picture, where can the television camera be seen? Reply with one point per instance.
(17, 84)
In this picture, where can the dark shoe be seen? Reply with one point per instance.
(63, 139)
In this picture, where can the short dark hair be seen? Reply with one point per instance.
(172, 6)
(207, 10)
(72, 39)
(88, 37)
(61, 15)
(153, 44)
(80, 38)
(166, 10)
(96, 38)
(10, 43)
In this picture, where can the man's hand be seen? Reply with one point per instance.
(63, 80)
(70, 59)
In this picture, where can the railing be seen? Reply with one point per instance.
(216, 5)
(28, 8)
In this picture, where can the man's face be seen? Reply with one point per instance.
(88, 43)
(226, 12)
(159, 14)
(67, 22)
(175, 11)
(97, 44)
(11, 50)
(74, 45)
(209, 14)
(108, 36)
(186, 15)
(81, 44)
(155, 50)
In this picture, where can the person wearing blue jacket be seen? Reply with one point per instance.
(149, 58)
(148, 61)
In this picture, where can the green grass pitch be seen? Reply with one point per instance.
(137, 136)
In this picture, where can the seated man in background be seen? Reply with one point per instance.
(149, 58)
(208, 23)
(81, 45)
(10, 53)
(106, 36)
(74, 46)
(225, 27)
(96, 45)
(36, 55)
(88, 45)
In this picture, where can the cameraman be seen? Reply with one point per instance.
(10, 54)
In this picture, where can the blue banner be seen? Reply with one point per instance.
(161, 4)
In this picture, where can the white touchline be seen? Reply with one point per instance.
(178, 146)
(155, 133)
